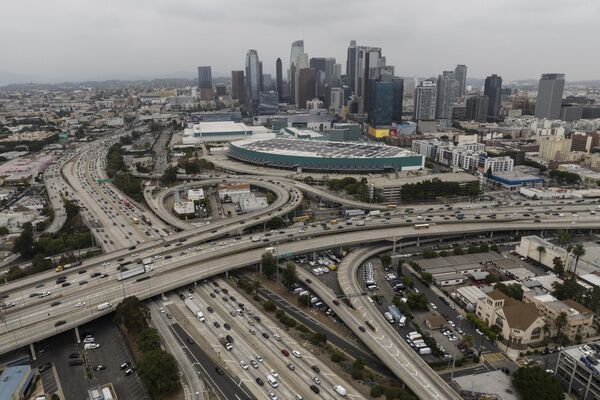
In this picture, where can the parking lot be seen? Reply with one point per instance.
(75, 380)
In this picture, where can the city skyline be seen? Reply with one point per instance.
(109, 45)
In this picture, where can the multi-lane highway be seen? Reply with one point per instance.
(36, 319)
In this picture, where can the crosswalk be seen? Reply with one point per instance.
(494, 357)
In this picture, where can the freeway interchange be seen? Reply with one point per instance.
(42, 307)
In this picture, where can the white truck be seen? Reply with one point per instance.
(339, 389)
(414, 336)
(374, 213)
(256, 238)
(147, 261)
(104, 306)
(193, 307)
(130, 273)
(389, 317)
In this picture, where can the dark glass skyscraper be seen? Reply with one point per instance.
(204, 77)
(549, 98)
(460, 73)
(477, 107)
(237, 86)
(351, 65)
(385, 101)
(493, 90)
(279, 78)
(307, 86)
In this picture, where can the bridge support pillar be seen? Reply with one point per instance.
(418, 241)
(77, 334)
(491, 234)
(32, 350)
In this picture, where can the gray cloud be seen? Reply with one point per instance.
(85, 39)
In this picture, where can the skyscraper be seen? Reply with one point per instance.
(253, 78)
(447, 89)
(493, 90)
(237, 86)
(307, 85)
(204, 77)
(205, 87)
(297, 49)
(260, 74)
(425, 101)
(279, 78)
(477, 107)
(549, 98)
(351, 65)
(325, 73)
(366, 59)
(301, 63)
(385, 101)
(461, 76)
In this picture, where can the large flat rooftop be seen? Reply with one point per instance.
(321, 148)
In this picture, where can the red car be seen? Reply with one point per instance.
(285, 352)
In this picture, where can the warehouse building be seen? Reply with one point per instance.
(318, 155)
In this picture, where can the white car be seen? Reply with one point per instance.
(277, 337)
(297, 354)
(44, 294)
(273, 373)
(272, 396)
(80, 304)
(89, 340)
(94, 345)
(433, 306)
(478, 331)
(162, 309)
(243, 364)
(259, 359)
(451, 323)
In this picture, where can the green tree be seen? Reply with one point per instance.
(158, 371)
(513, 290)
(270, 197)
(148, 340)
(275, 223)
(569, 289)
(417, 301)
(559, 267)
(578, 251)
(40, 263)
(541, 250)
(304, 300)
(24, 243)
(458, 251)
(427, 277)
(559, 323)
(268, 264)
(386, 260)
(290, 275)
(169, 176)
(132, 314)
(4, 230)
(534, 383)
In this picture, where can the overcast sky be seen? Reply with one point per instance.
(74, 40)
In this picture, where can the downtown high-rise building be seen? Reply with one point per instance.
(351, 65)
(446, 93)
(306, 86)
(385, 101)
(425, 101)
(296, 51)
(205, 87)
(300, 64)
(460, 72)
(549, 97)
(477, 108)
(238, 87)
(493, 90)
(253, 79)
(325, 67)
(279, 78)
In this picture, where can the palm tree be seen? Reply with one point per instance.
(567, 259)
(578, 251)
(563, 237)
(546, 329)
(541, 250)
(560, 322)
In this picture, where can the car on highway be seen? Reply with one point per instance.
(277, 337)
(297, 354)
(315, 389)
(291, 367)
(273, 373)
(243, 364)
(54, 303)
(252, 331)
(226, 326)
(272, 396)
(80, 304)
(259, 359)
(259, 382)
(315, 368)
(254, 363)
(316, 380)
(285, 352)
(216, 324)
(59, 323)
(265, 335)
